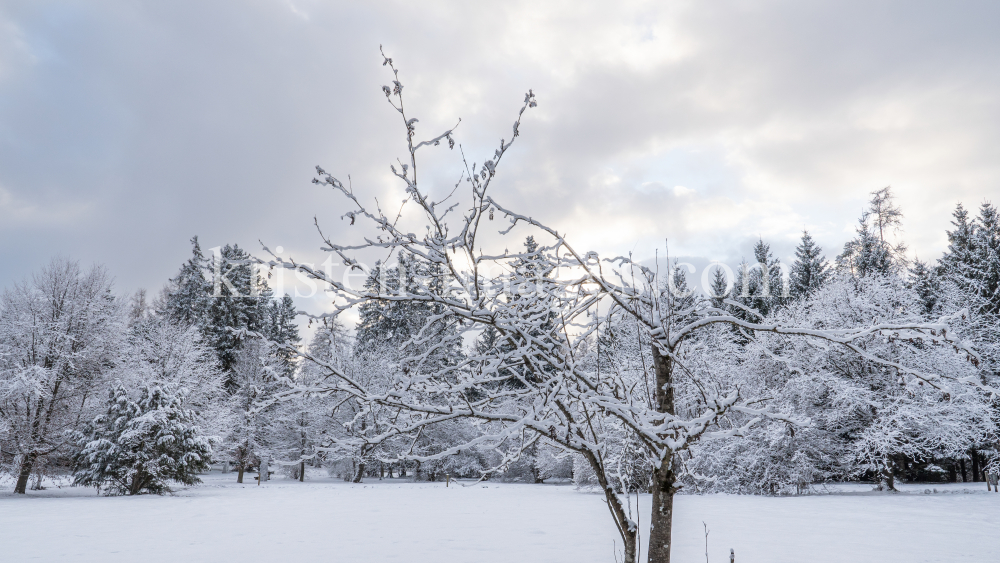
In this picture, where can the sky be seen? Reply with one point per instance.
(128, 127)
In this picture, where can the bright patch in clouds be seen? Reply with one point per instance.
(708, 124)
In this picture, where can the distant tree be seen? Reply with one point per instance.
(187, 295)
(719, 289)
(871, 252)
(760, 286)
(960, 262)
(923, 281)
(224, 295)
(810, 269)
(987, 246)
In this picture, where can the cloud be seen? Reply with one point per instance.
(126, 129)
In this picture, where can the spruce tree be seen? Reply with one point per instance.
(187, 295)
(987, 246)
(959, 261)
(810, 269)
(389, 323)
(924, 283)
(718, 288)
(760, 287)
(403, 329)
(282, 329)
(232, 297)
(241, 303)
(141, 445)
(679, 296)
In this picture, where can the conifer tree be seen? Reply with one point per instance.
(719, 288)
(760, 286)
(282, 328)
(987, 247)
(187, 295)
(810, 269)
(679, 296)
(958, 262)
(240, 300)
(232, 297)
(924, 283)
(140, 445)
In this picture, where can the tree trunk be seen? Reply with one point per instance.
(975, 465)
(887, 479)
(662, 519)
(361, 473)
(965, 477)
(302, 472)
(138, 480)
(664, 478)
(25, 473)
(626, 528)
(239, 475)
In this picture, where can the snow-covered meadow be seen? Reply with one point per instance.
(397, 520)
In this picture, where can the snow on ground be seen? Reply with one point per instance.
(392, 520)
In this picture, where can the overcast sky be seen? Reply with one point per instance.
(128, 127)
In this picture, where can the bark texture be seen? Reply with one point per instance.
(664, 477)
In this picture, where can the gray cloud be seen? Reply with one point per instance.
(127, 127)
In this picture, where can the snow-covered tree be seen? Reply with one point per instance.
(158, 351)
(866, 417)
(223, 295)
(249, 430)
(142, 444)
(923, 281)
(872, 251)
(186, 296)
(810, 269)
(59, 334)
(563, 399)
(719, 288)
(960, 262)
(760, 286)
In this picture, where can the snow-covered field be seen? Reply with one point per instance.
(329, 520)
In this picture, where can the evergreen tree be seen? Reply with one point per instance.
(187, 295)
(404, 329)
(242, 303)
(282, 329)
(679, 297)
(139, 446)
(925, 284)
(760, 286)
(959, 261)
(530, 275)
(234, 298)
(389, 323)
(987, 247)
(810, 269)
(719, 289)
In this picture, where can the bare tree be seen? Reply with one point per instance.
(545, 382)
